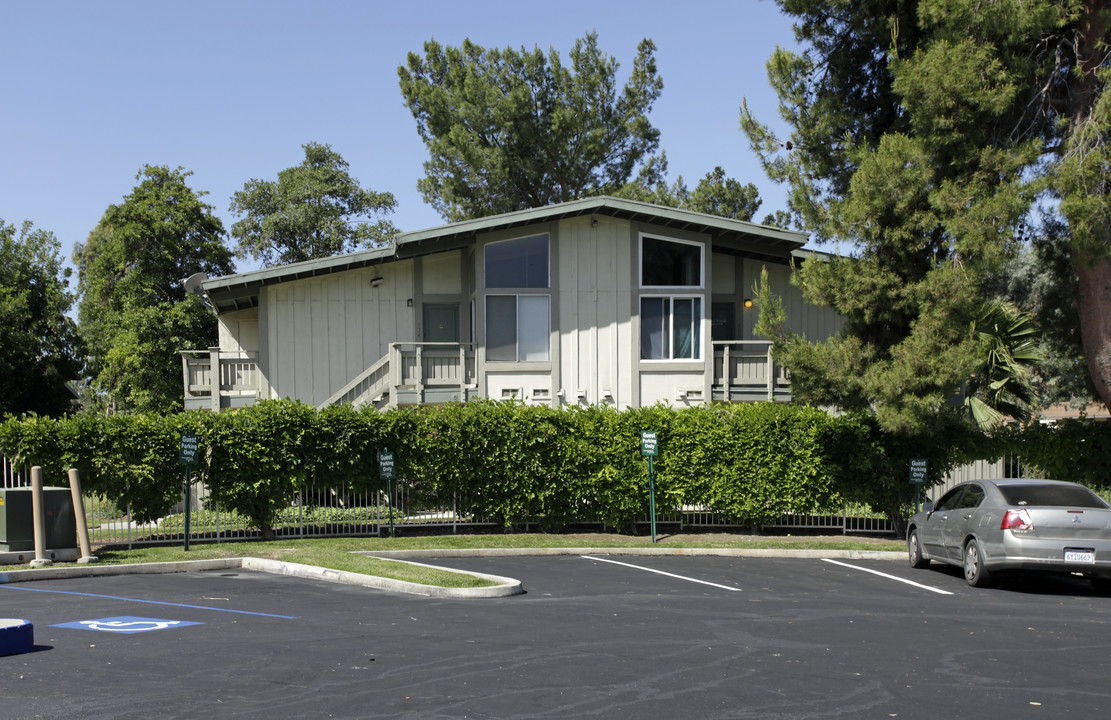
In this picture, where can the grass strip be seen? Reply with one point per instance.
(337, 553)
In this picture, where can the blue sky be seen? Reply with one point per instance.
(231, 90)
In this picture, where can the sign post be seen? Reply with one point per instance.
(386, 470)
(649, 448)
(918, 473)
(187, 457)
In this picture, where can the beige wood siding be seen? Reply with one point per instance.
(594, 302)
(238, 331)
(816, 323)
(324, 331)
(441, 274)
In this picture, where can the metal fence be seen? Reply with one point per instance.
(326, 513)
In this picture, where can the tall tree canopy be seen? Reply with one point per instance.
(39, 347)
(133, 310)
(510, 130)
(715, 194)
(313, 210)
(916, 131)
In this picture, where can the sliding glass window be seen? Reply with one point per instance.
(517, 328)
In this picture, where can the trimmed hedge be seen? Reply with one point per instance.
(510, 463)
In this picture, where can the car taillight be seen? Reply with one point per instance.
(1016, 520)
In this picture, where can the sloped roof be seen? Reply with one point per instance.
(239, 291)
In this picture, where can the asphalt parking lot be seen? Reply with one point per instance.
(598, 636)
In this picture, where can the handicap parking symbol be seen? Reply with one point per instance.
(126, 624)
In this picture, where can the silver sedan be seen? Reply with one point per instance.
(992, 525)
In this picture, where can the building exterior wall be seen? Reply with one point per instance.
(816, 323)
(676, 382)
(321, 332)
(239, 332)
(315, 335)
(497, 377)
(594, 310)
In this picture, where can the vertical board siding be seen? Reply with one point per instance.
(592, 263)
(325, 331)
(815, 323)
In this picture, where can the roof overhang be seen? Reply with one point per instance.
(736, 236)
(241, 291)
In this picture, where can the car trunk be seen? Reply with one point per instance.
(1068, 524)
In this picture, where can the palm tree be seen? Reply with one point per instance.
(1001, 385)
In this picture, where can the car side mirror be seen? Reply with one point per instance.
(927, 507)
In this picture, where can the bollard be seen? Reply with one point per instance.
(79, 515)
(36, 509)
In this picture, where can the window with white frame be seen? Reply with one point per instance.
(670, 327)
(671, 323)
(518, 325)
(670, 263)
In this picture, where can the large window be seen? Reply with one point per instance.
(519, 263)
(518, 325)
(670, 263)
(670, 325)
(517, 328)
(670, 328)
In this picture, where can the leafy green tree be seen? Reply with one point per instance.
(510, 130)
(922, 132)
(900, 145)
(1042, 281)
(313, 210)
(39, 346)
(133, 311)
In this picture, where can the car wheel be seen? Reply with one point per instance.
(914, 551)
(975, 573)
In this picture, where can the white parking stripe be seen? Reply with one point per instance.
(661, 572)
(889, 577)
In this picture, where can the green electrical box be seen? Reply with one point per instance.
(17, 523)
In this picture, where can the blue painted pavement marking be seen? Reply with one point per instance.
(149, 602)
(126, 624)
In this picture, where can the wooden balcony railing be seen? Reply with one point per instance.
(743, 370)
(414, 373)
(417, 373)
(215, 379)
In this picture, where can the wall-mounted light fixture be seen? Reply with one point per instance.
(409, 302)
(593, 222)
(376, 281)
(748, 303)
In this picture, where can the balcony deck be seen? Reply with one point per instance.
(429, 373)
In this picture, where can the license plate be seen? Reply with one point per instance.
(1076, 555)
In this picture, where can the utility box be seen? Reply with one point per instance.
(17, 521)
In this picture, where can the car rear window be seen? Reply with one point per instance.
(1052, 496)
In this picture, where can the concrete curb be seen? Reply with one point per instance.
(504, 587)
(705, 552)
